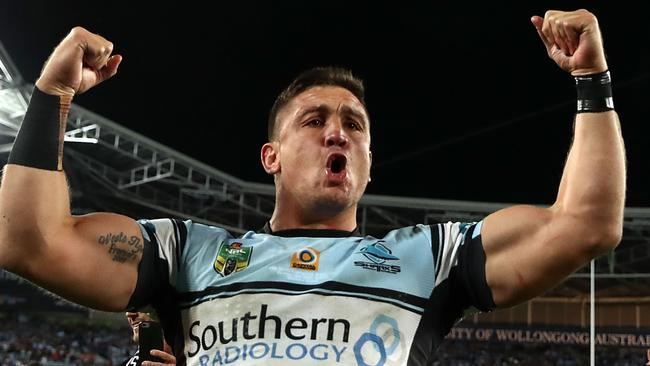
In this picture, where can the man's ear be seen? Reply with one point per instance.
(370, 167)
(270, 156)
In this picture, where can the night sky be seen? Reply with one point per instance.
(463, 100)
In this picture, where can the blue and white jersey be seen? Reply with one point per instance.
(309, 297)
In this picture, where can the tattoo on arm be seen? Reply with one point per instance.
(121, 247)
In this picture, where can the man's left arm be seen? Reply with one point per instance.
(530, 249)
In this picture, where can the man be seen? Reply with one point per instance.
(135, 319)
(308, 288)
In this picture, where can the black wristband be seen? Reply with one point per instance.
(594, 93)
(38, 140)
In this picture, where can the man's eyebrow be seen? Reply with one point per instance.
(345, 109)
(355, 112)
(321, 109)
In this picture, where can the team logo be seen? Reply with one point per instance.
(306, 259)
(232, 258)
(378, 254)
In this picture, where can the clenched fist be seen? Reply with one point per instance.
(81, 61)
(572, 40)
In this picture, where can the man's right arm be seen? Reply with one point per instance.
(91, 259)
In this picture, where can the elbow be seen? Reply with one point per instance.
(597, 230)
(12, 254)
(7, 255)
(612, 238)
(9, 260)
(17, 248)
(605, 240)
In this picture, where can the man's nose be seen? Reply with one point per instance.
(335, 135)
(336, 139)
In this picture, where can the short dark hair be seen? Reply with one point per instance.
(318, 76)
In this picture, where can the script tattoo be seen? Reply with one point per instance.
(121, 247)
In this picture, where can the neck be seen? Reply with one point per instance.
(289, 215)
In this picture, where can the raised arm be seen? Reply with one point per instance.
(528, 249)
(91, 259)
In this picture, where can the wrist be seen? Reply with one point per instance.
(54, 90)
(583, 72)
(39, 142)
(594, 92)
(599, 65)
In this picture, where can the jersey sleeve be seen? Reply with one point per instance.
(460, 264)
(164, 243)
(459, 285)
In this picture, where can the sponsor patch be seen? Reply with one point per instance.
(254, 332)
(307, 259)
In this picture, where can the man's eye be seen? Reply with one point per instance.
(315, 122)
(354, 126)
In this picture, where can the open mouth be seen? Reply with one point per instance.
(336, 164)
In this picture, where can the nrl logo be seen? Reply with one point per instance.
(232, 258)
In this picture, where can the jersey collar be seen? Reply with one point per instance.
(315, 233)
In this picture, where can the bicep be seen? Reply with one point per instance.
(529, 250)
(91, 260)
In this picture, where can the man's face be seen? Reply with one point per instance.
(134, 321)
(323, 150)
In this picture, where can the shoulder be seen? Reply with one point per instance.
(177, 230)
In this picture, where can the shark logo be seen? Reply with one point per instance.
(378, 254)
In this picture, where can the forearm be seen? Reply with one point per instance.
(34, 199)
(33, 205)
(592, 190)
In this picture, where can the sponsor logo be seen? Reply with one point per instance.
(306, 259)
(232, 258)
(380, 344)
(257, 330)
(378, 254)
(261, 335)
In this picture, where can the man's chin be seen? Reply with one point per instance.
(333, 202)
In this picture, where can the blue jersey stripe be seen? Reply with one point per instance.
(315, 291)
(379, 293)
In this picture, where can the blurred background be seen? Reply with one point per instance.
(468, 115)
